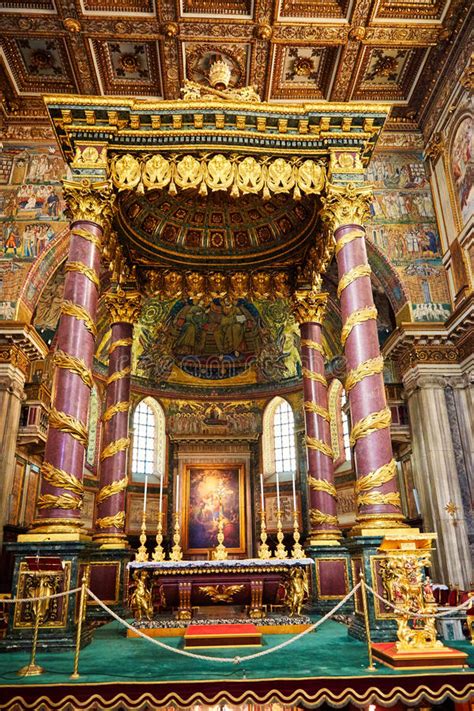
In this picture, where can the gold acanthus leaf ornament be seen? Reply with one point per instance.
(115, 521)
(218, 172)
(346, 205)
(64, 501)
(309, 305)
(110, 489)
(89, 202)
(61, 479)
(221, 593)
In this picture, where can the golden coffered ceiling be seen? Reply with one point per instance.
(291, 50)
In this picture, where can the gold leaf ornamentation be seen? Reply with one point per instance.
(316, 377)
(322, 485)
(74, 365)
(63, 501)
(370, 424)
(373, 366)
(61, 479)
(346, 205)
(379, 476)
(319, 445)
(122, 406)
(318, 517)
(309, 305)
(362, 270)
(125, 171)
(123, 306)
(117, 445)
(118, 375)
(93, 239)
(347, 238)
(317, 409)
(89, 202)
(120, 342)
(313, 345)
(68, 424)
(79, 312)
(375, 497)
(85, 271)
(115, 521)
(156, 172)
(110, 489)
(355, 318)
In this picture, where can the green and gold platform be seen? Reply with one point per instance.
(325, 666)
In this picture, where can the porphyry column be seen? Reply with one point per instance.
(345, 208)
(124, 309)
(60, 500)
(309, 309)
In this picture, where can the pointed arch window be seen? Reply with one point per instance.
(149, 439)
(278, 441)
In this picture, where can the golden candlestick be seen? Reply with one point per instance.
(159, 553)
(141, 556)
(280, 549)
(220, 552)
(297, 551)
(176, 552)
(264, 551)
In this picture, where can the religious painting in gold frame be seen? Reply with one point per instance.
(209, 488)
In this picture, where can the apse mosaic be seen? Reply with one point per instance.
(404, 228)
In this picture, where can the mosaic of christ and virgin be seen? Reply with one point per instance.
(218, 339)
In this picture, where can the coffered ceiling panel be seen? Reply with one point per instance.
(290, 50)
(387, 73)
(302, 72)
(128, 67)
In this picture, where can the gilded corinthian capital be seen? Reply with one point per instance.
(346, 205)
(91, 202)
(123, 306)
(309, 305)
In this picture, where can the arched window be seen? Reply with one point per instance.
(149, 440)
(340, 424)
(278, 441)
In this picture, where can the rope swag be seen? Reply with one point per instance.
(317, 377)
(313, 345)
(81, 314)
(374, 497)
(379, 476)
(317, 410)
(370, 424)
(110, 489)
(355, 318)
(64, 501)
(318, 517)
(373, 366)
(96, 241)
(61, 479)
(319, 445)
(362, 270)
(68, 424)
(114, 447)
(74, 365)
(81, 268)
(120, 342)
(121, 406)
(347, 238)
(116, 521)
(322, 485)
(118, 374)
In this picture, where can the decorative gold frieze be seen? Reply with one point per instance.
(234, 174)
(89, 202)
(346, 205)
(123, 306)
(309, 306)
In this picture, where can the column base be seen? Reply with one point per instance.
(378, 525)
(328, 537)
(332, 578)
(55, 529)
(115, 541)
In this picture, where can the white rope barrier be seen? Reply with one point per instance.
(11, 601)
(225, 660)
(401, 611)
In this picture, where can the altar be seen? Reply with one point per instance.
(254, 586)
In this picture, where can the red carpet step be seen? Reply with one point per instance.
(245, 635)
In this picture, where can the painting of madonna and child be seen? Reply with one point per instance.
(210, 490)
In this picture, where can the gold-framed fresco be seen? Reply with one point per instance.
(207, 488)
(135, 511)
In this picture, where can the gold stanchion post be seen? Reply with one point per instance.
(33, 669)
(82, 609)
(365, 607)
